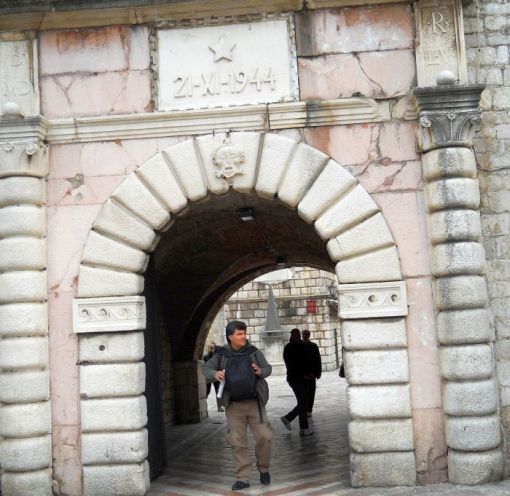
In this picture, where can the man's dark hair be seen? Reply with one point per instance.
(232, 326)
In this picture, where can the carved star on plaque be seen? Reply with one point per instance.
(222, 48)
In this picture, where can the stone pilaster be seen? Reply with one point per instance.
(25, 419)
(114, 438)
(449, 116)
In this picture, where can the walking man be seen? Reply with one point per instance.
(295, 356)
(314, 359)
(244, 368)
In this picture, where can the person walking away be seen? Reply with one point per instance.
(211, 349)
(244, 368)
(314, 359)
(295, 354)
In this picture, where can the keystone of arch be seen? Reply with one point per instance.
(271, 166)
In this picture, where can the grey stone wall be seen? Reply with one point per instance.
(487, 28)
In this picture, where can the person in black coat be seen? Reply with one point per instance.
(211, 350)
(314, 358)
(295, 356)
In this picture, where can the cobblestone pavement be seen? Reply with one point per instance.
(200, 460)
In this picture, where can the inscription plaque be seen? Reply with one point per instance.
(233, 64)
(440, 41)
(17, 72)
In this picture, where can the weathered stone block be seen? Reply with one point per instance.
(376, 367)
(392, 401)
(22, 287)
(94, 282)
(458, 258)
(367, 436)
(275, 155)
(21, 190)
(454, 225)
(350, 210)
(473, 433)
(470, 398)
(458, 161)
(122, 347)
(121, 224)
(98, 381)
(37, 483)
(25, 420)
(373, 334)
(117, 447)
(111, 480)
(453, 193)
(475, 468)
(464, 326)
(306, 164)
(383, 469)
(369, 235)
(461, 292)
(185, 165)
(22, 253)
(20, 353)
(157, 175)
(119, 414)
(466, 362)
(133, 194)
(24, 319)
(105, 252)
(378, 266)
(22, 220)
(332, 183)
(23, 455)
(24, 387)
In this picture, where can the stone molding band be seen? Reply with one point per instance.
(449, 117)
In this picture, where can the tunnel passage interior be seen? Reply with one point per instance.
(208, 253)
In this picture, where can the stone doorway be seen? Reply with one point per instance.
(188, 201)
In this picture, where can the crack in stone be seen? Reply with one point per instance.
(357, 57)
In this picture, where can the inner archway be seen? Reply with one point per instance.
(187, 198)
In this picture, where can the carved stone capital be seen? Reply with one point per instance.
(449, 115)
(368, 301)
(121, 313)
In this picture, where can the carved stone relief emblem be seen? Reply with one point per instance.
(109, 314)
(229, 159)
(363, 301)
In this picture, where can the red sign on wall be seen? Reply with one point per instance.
(311, 306)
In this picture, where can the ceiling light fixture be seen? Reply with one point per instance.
(246, 214)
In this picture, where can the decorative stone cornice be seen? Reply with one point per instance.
(202, 121)
(121, 313)
(449, 115)
(23, 151)
(368, 301)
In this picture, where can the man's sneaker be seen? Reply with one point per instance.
(286, 423)
(306, 432)
(265, 478)
(240, 485)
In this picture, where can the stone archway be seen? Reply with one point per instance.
(109, 311)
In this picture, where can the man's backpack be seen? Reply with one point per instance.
(240, 378)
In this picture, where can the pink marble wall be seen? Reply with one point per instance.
(98, 71)
(363, 51)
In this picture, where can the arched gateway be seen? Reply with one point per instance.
(269, 173)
